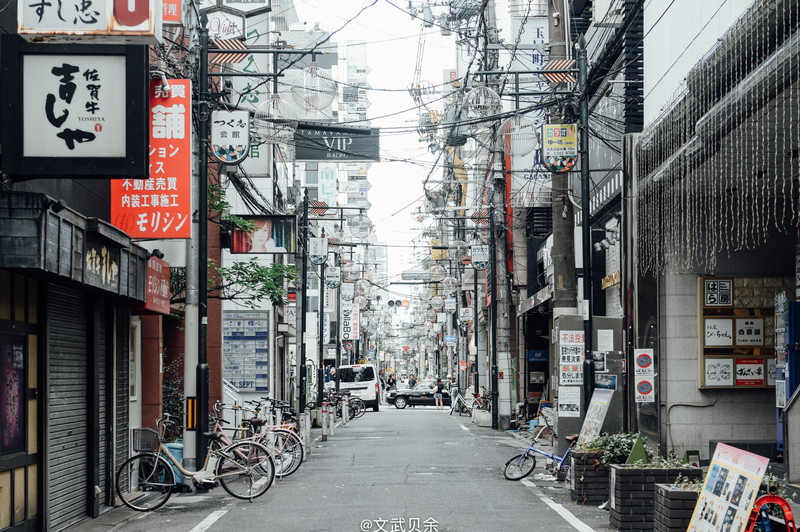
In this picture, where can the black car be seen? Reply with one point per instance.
(421, 394)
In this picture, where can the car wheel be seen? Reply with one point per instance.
(400, 402)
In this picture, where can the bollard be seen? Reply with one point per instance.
(324, 421)
(331, 421)
(345, 411)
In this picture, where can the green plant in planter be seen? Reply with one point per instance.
(616, 448)
(688, 484)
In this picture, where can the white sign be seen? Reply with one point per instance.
(645, 390)
(571, 355)
(605, 340)
(718, 332)
(326, 328)
(643, 363)
(465, 313)
(569, 401)
(719, 371)
(355, 322)
(223, 25)
(749, 331)
(450, 340)
(327, 183)
(347, 322)
(718, 293)
(450, 305)
(96, 21)
(230, 136)
(348, 292)
(480, 257)
(318, 250)
(333, 276)
(74, 106)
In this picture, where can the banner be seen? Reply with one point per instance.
(161, 206)
(273, 234)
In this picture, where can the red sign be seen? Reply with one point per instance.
(157, 286)
(161, 206)
(171, 11)
(405, 348)
(463, 365)
(749, 372)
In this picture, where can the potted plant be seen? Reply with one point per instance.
(589, 465)
(674, 504)
(632, 490)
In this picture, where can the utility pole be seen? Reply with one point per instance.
(321, 367)
(202, 373)
(563, 253)
(301, 364)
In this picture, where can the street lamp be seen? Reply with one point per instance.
(520, 135)
(482, 101)
(276, 120)
(313, 88)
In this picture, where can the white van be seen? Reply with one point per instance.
(362, 382)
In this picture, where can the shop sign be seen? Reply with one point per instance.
(157, 289)
(101, 264)
(230, 136)
(480, 257)
(98, 21)
(333, 276)
(749, 372)
(318, 250)
(559, 140)
(161, 205)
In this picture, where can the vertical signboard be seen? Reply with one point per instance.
(161, 206)
(571, 353)
(245, 350)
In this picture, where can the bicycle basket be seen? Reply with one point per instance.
(145, 440)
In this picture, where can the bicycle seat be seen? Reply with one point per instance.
(256, 422)
(214, 435)
(572, 437)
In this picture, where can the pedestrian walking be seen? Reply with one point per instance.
(392, 382)
(437, 394)
(412, 381)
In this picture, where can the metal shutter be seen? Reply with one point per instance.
(67, 428)
(102, 308)
(121, 390)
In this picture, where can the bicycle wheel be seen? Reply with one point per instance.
(287, 451)
(145, 482)
(520, 466)
(247, 470)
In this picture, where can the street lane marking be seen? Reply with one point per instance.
(208, 521)
(570, 518)
(464, 427)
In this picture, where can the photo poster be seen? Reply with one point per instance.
(273, 234)
(595, 416)
(569, 401)
(730, 489)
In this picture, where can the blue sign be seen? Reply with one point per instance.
(537, 355)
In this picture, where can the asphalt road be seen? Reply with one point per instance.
(412, 470)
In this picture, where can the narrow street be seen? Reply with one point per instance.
(394, 470)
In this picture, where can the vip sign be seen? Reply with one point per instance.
(161, 206)
(96, 21)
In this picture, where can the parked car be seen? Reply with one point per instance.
(421, 394)
(362, 381)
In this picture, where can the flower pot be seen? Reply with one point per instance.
(673, 508)
(632, 492)
(589, 478)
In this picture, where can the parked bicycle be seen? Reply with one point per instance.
(146, 481)
(460, 405)
(523, 464)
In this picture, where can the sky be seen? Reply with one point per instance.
(392, 38)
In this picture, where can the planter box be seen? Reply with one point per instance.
(632, 491)
(589, 478)
(673, 508)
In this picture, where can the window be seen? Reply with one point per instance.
(356, 374)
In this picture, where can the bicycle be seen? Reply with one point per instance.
(459, 403)
(523, 464)
(285, 445)
(146, 481)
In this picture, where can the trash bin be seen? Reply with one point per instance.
(176, 450)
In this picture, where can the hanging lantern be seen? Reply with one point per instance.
(449, 284)
(482, 102)
(351, 271)
(437, 272)
(437, 303)
(275, 121)
(363, 287)
(313, 88)
(361, 301)
(360, 226)
(519, 135)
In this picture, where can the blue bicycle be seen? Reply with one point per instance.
(523, 464)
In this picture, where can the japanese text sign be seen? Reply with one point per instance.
(559, 140)
(113, 21)
(571, 354)
(74, 106)
(161, 206)
(230, 136)
(157, 286)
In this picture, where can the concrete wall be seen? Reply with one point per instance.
(690, 417)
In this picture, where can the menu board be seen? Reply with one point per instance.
(729, 491)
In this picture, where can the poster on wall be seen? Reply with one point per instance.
(729, 491)
(749, 331)
(749, 372)
(571, 354)
(12, 351)
(569, 401)
(645, 390)
(719, 372)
